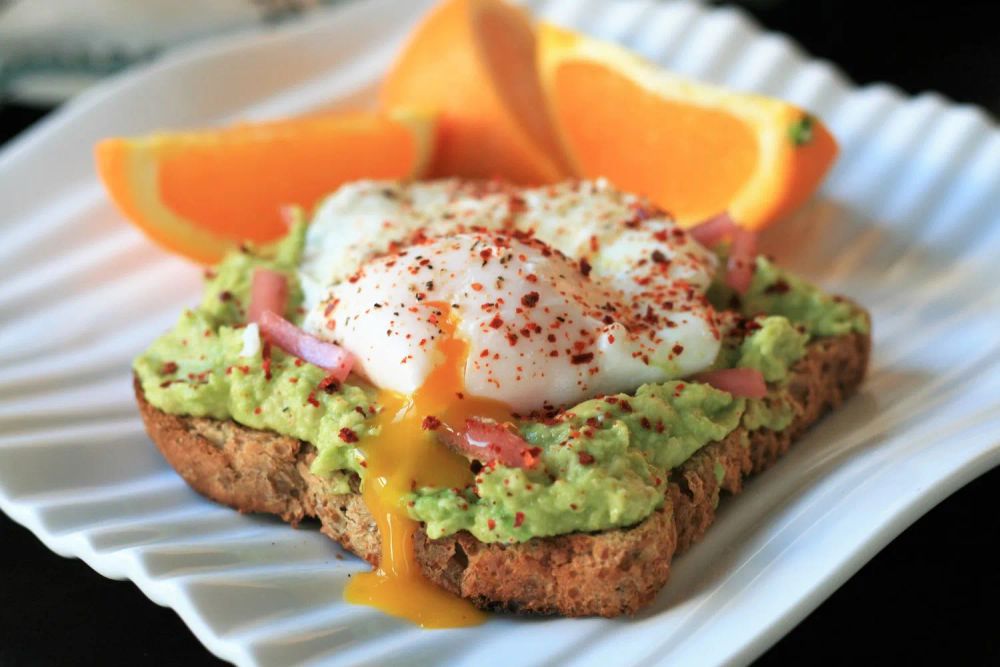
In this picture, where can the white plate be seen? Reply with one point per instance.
(907, 224)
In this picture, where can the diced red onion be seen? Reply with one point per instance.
(742, 249)
(289, 215)
(743, 382)
(489, 441)
(329, 356)
(268, 292)
(714, 230)
(742, 260)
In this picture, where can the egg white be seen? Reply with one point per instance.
(615, 288)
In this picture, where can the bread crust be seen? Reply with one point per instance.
(608, 573)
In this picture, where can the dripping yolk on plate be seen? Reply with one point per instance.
(404, 455)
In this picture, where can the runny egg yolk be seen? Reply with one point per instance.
(405, 456)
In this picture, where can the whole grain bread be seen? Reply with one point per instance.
(607, 573)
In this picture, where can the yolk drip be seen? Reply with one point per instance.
(405, 456)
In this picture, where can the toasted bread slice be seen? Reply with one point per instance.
(607, 573)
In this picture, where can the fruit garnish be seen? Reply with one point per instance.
(695, 149)
(203, 193)
(473, 62)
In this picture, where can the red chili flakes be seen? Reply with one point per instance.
(645, 423)
(169, 368)
(659, 257)
(530, 457)
(311, 399)
(779, 286)
(491, 524)
(329, 384)
(585, 267)
(347, 435)
(677, 348)
(266, 360)
(585, 458)
(583, 358)
(518, 519)
(431, 423)
(625, 406)
(530, 299)
(496, 322)
(477, 287)
(225, 295)
(257, 410)
(531, 278)
(486, 253)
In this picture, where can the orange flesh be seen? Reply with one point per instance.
(689, 159)
(232, 182)
(472, 62)
(508, 52)
(404, 456)
(200, 193)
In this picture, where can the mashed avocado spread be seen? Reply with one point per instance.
(603, 463)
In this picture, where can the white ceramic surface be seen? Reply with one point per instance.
(908, 224)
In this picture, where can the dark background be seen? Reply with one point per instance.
(930, 596)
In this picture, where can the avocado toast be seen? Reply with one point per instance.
(608, 489)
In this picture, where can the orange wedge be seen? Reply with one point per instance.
(473, 62)
(694, 149)
(202, 193)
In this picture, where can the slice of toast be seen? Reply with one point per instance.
(607, 573)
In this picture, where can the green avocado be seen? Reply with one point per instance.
(774, 291)
(603, 463)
